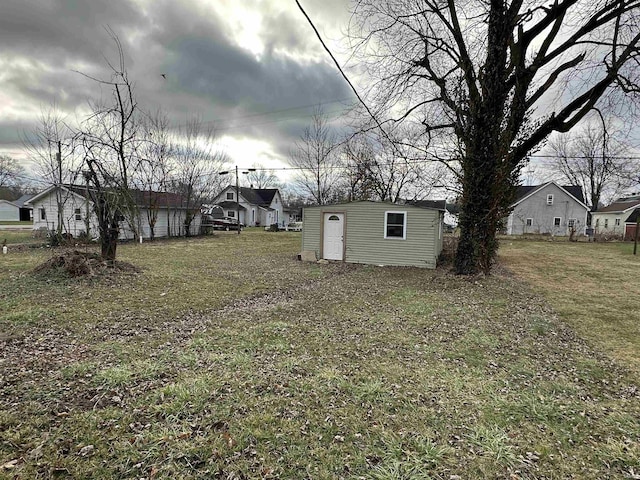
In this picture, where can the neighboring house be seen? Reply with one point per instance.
(16, 210)
(376, 233)
(258, 206)
(292, 214)
(78, 213)
(610, 220)
(451, 210)
(549, 209)
(631, 223)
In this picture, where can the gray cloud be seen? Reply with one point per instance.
(207, 72)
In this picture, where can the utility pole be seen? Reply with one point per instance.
(59, 189)
(238, 199)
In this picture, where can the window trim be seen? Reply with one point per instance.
(230, 195)
(606, 223)
(572, 223)
(77, 212)
(528, 222)
(404, 224)
(550, 200)
(559, 224)
(617, 222)
(231, 213)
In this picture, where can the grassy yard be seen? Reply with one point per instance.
(595, 287)
(18, 237)
(227, 358)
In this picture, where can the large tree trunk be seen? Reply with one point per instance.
(109, 243)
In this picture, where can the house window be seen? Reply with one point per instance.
(556, 221)
(78, 214)
(229, 195)
(606, 223)
(395, 225)
(529, 222)
(231, 213)
(617, 222)
(550, 199)
(597, 222)
(571, 223)
(43, 214)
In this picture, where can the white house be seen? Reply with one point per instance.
(548, 209)
(258, 206)
(165, 211)
(610, 220)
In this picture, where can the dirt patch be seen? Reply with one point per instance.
(81, 264)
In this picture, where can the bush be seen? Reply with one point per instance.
(274, 227)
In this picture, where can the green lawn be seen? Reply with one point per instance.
(595, 287)
(18, 237)
(227, 358)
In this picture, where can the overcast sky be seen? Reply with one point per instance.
(237, 62)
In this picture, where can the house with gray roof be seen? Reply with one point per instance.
(611, 220)
(257, 206)
(549, 209)
(16, 210)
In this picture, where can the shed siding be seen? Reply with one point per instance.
(364, 234)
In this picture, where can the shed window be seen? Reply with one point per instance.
(550, 199)
(529, 222)
(606, 223)
(571, 223)
(78, 214)
(43, 214)
(395, 225)
(556, 221)
(229, 195)
(617, 222)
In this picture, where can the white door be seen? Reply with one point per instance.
(333, 242)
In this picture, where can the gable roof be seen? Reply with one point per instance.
(633, 218)
(525, 191)
(620, 205)
(255, 196)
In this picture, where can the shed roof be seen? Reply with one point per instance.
(393, 205)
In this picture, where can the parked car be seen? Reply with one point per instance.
(226, 223)
(294, 227)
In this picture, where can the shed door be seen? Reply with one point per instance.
(333, 242)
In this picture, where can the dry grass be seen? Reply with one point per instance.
(594, 286)
(227, 358)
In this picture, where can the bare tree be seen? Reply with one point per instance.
(196, 161)
(490, 80)
(110, 140)
(315, 156)
(10, 171)
(593, 157)
(50, 145)
(261, 177)
(153, 175)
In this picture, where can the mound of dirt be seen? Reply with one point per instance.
(79, 264)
